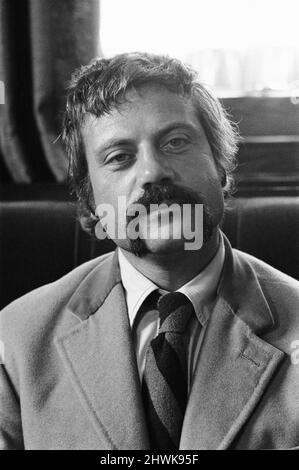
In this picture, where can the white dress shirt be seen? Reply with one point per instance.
(201, 291)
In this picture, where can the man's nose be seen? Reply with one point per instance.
(154, 167)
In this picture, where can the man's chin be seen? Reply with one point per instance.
(159, 246)
(145, 247)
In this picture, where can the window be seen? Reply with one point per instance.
(247, 47)
(247, 51)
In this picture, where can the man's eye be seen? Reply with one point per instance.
(120, 158)
(176, 143)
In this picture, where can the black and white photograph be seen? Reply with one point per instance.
(149, 228)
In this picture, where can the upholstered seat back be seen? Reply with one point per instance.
(41, 240)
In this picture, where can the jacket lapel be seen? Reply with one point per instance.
(235, 364)
(99, 357)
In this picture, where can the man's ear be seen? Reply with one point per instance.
(90, 202)
(223, 180)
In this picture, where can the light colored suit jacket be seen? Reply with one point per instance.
(70, 381)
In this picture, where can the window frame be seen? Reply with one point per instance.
(268, 156)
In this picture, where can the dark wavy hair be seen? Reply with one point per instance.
(98, 87)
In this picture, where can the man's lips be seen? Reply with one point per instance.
(168, 202)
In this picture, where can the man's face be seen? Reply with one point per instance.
(152, 147)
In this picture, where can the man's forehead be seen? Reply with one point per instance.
(138, 104)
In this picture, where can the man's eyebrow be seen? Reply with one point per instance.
(177, 125)
(114, 142)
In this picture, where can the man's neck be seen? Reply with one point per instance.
(171, 271)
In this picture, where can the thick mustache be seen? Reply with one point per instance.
(167, 194)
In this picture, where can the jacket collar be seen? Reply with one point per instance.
(238, 287)
(96, 287)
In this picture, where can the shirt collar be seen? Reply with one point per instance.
(201, 290)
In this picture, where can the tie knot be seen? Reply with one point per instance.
(175, 310)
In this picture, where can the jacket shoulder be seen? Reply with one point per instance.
(39, 306)
(266, 274)
(280, 292)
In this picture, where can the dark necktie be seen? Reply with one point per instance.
(165, 380)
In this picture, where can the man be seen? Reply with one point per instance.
(96, 360)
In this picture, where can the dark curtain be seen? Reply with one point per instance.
(41, 43)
